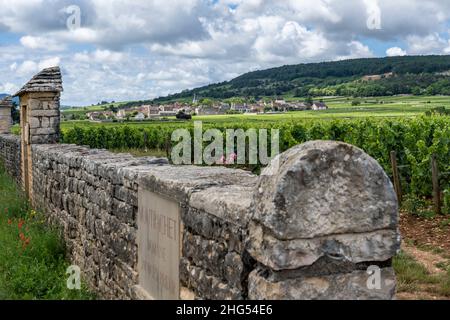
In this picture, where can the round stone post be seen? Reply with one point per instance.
(5, 114)
(325, 226)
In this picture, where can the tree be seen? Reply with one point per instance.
(206, 101)
(15, 113)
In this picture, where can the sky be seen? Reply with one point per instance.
(133, 50)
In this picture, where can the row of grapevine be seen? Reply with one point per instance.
(414, 140)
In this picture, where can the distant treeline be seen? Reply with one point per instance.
(412, 75)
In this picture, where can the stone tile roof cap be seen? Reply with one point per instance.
(6, 102)
(48, 80)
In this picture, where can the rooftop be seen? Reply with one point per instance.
(48, 80)
(6, 102)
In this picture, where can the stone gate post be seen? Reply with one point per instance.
(324, 226)
(5, 115)
(39, 117)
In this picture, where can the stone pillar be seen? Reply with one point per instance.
(5, 115)
(325, 226)
(39, 117)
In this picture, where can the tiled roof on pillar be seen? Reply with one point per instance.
(6, 102)
(48, 80)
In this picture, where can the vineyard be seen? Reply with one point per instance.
(414, 141)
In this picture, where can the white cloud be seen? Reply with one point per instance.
(430, 44)
(289, 40)
(357, 50)
(395, 51)
(8, 87)
(142, 49)
(46, 44)
(50, 62)
(28, 67)
(99, 56)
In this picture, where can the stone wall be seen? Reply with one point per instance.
(10, 155)
(215, 211)
(92, 196)
(306, 229)
(5, 114)
(5, 119)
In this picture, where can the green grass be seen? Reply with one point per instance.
(413, 277)
(141, 153)
(32, 256)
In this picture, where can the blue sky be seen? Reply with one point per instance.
(128, 50)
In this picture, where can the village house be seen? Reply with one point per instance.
(93, 116)
(280, 102)
(153, 112)
(144, 109)
(187, 109)
(376, 77)
(99, 116)
(319, 106)
(295, 106)
(121, 114)
(258, 108)
(168, 113)
(207, 111)
(167, 108)
(280, 105)
(239, 107)
(224, 107)
(139, 117)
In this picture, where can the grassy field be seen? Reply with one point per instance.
(416, 280)
(32, 256)
(339, 108)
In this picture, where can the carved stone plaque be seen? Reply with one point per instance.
(159, 243)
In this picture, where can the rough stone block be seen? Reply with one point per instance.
(323, 198)
(324, 187)
(349, 286)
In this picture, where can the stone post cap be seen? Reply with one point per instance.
(6, 102)
(47, 80)
(6, 106)
(323, 198)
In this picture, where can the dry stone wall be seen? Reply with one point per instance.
(5, 114)
(10, 155)
(215, 205)
(292, 234)
(92, 196)
(310, 227)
